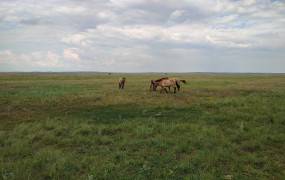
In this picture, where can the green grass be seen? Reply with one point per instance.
(80, 126)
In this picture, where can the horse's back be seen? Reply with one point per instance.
(168, 82)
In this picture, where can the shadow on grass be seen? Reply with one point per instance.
(128, 112)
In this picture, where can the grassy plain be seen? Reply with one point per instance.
(80, 126)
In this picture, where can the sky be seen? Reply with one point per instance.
(143, 35)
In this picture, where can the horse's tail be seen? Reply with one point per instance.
(184, 81)
(178, 85)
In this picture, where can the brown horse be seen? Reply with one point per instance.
(167, 83)
(154, 82)
(122, 82)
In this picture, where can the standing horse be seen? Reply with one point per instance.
(167, 83)
(154, 82)
(122, 82)
(178, 83)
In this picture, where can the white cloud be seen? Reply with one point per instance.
(70, 9)
(77, 39)
(230, 37)
(5, 54)
(121, 34)
(126, 3)
(32, 60)
(71, 54)
(176, 14)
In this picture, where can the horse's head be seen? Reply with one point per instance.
(153, 85)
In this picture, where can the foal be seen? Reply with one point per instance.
(122, 83)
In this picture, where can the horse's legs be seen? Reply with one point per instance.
(166, 90)
(174, 90)
(163, 89)
(178, 85)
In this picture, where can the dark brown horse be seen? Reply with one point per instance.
(178, 83)
(122, 82)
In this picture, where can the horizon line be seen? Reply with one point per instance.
(144, 72)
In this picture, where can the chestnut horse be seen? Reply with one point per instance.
(166, 83)
(154, 82)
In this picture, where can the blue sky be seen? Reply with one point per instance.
(142, 35)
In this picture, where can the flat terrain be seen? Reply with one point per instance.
(80, 126)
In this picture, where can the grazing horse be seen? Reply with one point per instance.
(154, 82)
(167, 83)
(122, 82)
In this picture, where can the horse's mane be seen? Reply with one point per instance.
(158, 80)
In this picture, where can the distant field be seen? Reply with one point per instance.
(80, 126)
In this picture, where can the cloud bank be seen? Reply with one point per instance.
(143, 35)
